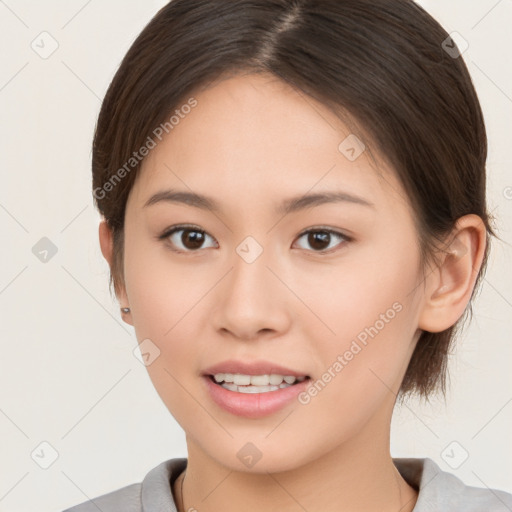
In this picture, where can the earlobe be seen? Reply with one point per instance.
(449, 287)
(107, 249)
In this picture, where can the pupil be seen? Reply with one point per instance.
(192, 239)
(319, 238)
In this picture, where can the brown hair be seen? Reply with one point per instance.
(382, 62)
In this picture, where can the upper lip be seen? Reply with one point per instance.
(251, 368)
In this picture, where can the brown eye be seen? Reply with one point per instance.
(192, 239)
(186, 239)
(321, 240)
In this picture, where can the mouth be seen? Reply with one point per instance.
(254, 395)
(244, 383)
(253, 388)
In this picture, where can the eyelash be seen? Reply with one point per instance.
(188, 227)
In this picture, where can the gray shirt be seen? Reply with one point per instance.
(439, 491)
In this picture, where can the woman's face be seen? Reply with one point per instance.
(245, 284)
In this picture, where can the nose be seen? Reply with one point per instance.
(251, 301)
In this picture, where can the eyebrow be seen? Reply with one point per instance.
(290, 205)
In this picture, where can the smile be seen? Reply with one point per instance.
(254, 396)
(255, 383)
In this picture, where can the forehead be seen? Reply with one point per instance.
(255, 134)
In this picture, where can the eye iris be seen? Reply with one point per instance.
(192, 239)
(319, 237)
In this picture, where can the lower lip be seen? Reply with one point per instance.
(253, 405)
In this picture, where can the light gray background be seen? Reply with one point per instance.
(68, 374)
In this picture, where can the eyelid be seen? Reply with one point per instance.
(183, 227)
(177, 227)
(327, 229)
(315, 229)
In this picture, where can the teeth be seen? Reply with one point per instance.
(255, 383)
(260, 380)
(243, 380)
(252, 389)
(257, 389)
(276, 379)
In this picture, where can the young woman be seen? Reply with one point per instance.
(293, 194)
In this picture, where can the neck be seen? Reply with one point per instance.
(357, 476)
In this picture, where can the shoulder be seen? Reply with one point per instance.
(153, 493)
(441, 491)
(126, 499)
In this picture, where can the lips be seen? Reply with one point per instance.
(253, 405)
(260, 401)
(252, 368)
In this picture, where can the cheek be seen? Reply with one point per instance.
(163, 302)
(170, 305)
(361, 366)
(162, 292)
(367, 315)
(165, 307)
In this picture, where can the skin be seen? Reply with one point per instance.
(251, 142)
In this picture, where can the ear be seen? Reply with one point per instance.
(107, 249)
(449, 287)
